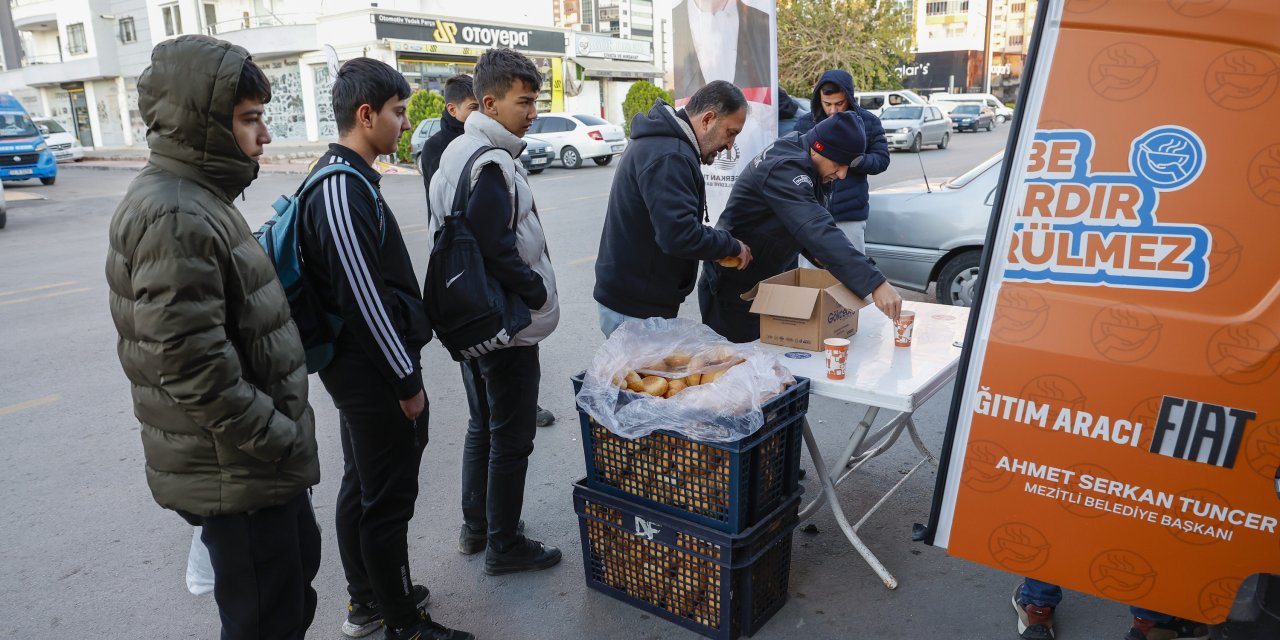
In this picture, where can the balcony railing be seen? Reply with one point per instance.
(261, 21)
(51, 58)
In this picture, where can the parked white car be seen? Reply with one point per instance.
(63, 145)
(878, 101)
(576, 137)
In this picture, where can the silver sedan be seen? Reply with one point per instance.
(918, 235)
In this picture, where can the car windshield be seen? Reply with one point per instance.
(52, 125)
(901, 113)
(967, 109)
(590, 121)
(16, 125)
(969, 176)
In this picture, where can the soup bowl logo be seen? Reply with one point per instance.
(1204, 496)
(1198, 8)
(1241, 79)
(1055, 391)
(1082, 469)
(1264, 175)
(1021, 316)
(1225, 256)
(980, 472)
(1168, 157)
(1125, 333)
(1146, 413)
(1217, 598)
(1019, 547)
(1123, 71)
(1262, 448)
(1121, 574)
(1245, 353)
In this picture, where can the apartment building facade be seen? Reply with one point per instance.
(81, 58)
(949, 45)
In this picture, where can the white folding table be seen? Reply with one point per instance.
(880, 376)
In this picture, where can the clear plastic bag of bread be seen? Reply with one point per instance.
(679, 375)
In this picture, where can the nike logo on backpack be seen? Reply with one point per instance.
(449, 283)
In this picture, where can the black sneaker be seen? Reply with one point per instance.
(545, 418)
(527, 555)
(363, 619)
(1176, 629)
(427, 629)
(470, 542)
(1034, 622)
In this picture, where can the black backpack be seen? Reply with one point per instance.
(471, 312)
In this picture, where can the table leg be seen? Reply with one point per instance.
(915, 438)
(856, 439)
(829, 491)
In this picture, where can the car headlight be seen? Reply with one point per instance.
(41, 147)
(904, 130)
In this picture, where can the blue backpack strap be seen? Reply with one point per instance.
(338, 167)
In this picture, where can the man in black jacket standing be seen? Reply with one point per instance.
(358, 263)
(776, 206)
(850, 201)
(654, 234)
(459, 102)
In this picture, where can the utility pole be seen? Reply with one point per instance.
(986, 52)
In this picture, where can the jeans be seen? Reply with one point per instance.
(502, 395)
(1044, 594)
(610, 319)
(381, 453)
(263, 564)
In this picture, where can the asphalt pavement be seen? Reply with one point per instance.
(85, 552)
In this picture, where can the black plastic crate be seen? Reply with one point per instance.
(728, 486)
(719, 585)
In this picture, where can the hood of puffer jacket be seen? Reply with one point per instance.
(843, 80)
(187, 97)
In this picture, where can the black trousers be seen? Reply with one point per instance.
(263, 564)
(502, 394)
(723, 309)
(381, 452)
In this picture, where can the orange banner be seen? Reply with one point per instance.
(1119, 430)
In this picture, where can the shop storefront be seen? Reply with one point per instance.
(602, 69)
(430, 50)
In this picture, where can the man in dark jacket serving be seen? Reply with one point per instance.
(776, 207)
(850, 202)
(654, 234)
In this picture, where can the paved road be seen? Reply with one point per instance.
(86, 553)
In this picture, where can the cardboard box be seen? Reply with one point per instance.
(803, 307)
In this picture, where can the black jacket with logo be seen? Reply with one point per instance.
(776, 208)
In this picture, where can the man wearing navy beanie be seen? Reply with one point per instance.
(777, 208)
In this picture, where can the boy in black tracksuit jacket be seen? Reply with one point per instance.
(356, 261)
(776, 208)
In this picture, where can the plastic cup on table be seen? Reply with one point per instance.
(837, 350)
(903, 328)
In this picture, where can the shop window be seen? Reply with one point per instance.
(172, 16)
(128, 31)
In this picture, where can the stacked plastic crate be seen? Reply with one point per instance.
(695, 532)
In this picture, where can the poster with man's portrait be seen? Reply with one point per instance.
(735, 41)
